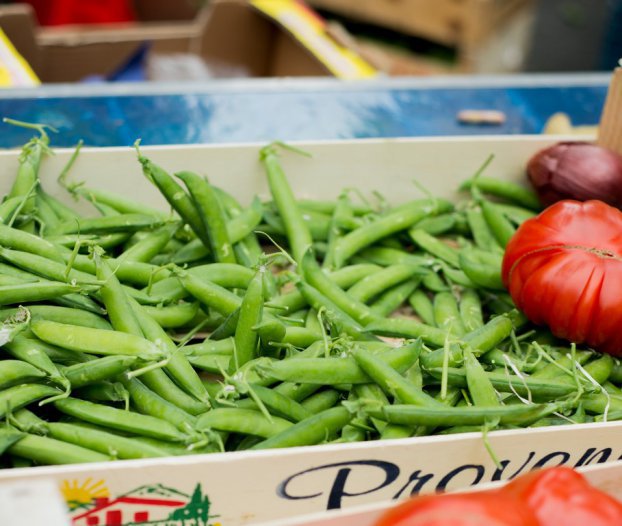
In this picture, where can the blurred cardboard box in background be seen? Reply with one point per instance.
(255, 39)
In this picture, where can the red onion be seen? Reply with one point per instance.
(576, 170)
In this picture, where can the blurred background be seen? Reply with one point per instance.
(218, 69)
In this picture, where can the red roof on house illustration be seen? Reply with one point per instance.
(136, 506)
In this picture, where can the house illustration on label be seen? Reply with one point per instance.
(147, 505)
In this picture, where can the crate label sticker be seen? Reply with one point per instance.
(91, 504)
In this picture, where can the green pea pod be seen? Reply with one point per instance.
(298, 234)
(309, 431)
(120, 419)
(19, 396)
(96, 341)
(211, 213)
(392, 382)
(519, 414)
(49, 451)
(8, 437)
(246, 339)
(98, 370)
(482, 268)
(336, 371)
(14, 372)
(400, 219)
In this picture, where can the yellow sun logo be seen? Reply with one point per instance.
(80, 496)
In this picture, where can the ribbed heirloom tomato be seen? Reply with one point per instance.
(489, 508)
(563, 268)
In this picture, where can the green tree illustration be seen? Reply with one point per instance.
(196, 512)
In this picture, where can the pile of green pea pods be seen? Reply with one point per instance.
(136, 333)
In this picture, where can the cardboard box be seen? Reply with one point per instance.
(488, 35)
(254, 38)
(249, 487)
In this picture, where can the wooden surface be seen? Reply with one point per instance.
(610, 133)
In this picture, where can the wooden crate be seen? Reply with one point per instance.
(467, 25)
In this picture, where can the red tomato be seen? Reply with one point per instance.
(563, 269)
(563, 496)
(491, 508)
